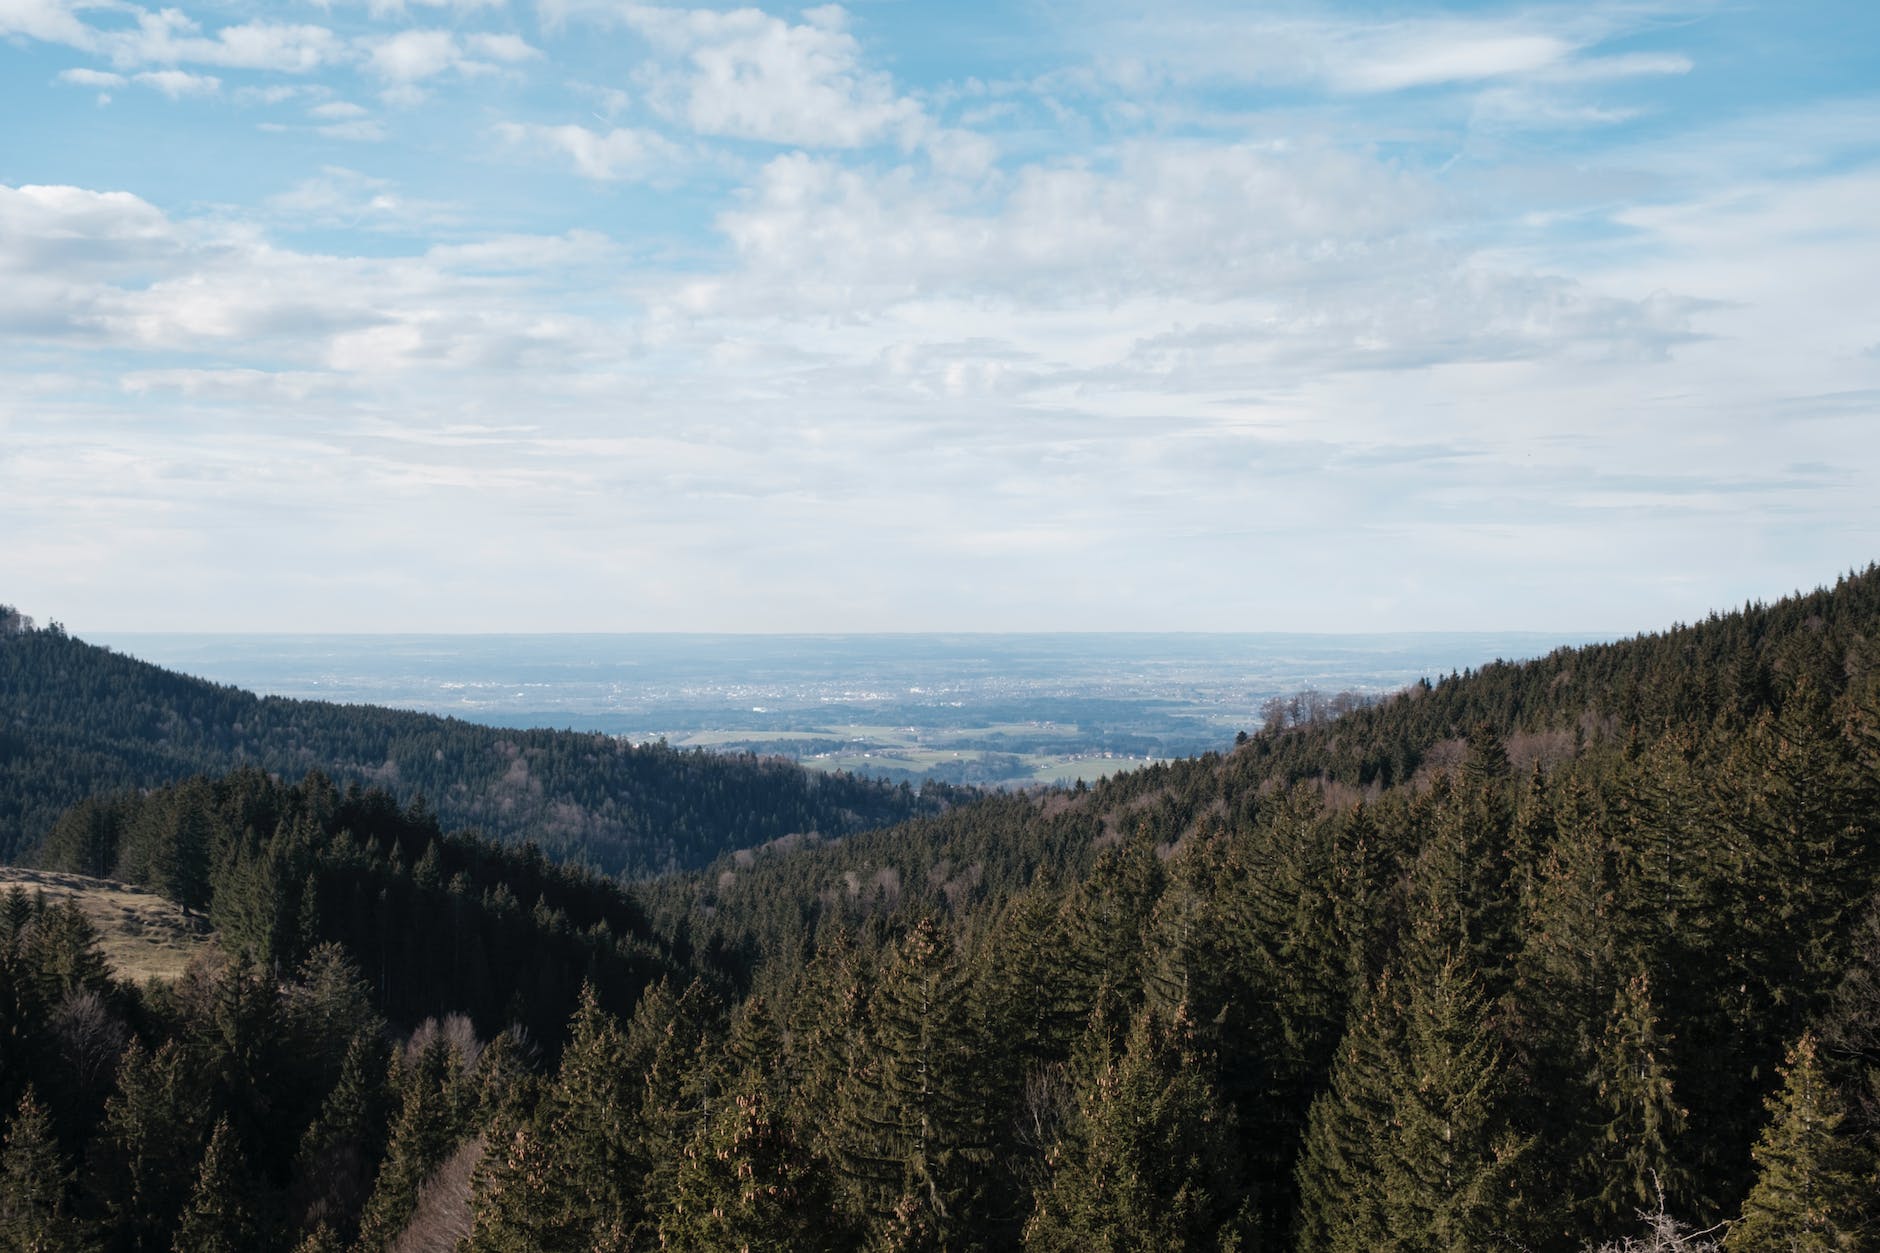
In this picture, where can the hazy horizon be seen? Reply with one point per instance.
(962, 707)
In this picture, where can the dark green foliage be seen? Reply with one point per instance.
(1151, 1159)
(1634, 1162)
(1816, 1189)
(565, 1175)
(912, 1133)
(144, 1157)
(1413, 1147)
(220, 1216)
(746, 1182)
(33, 1184)
(1508, 961)
(333, 1171)
(431, 1081)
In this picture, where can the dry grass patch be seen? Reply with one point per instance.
(141, 935)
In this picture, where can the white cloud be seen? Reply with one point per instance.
(91, 78)
(414, 55)
(359, 130)
(509, 49)
(753, 76)
(400, 8)
(169, 37)
(1359, 55)
(176, 84)
(1144, 327)
(338, 196)
(109, 271)
(1625, 65)
(1422, 54)
(622, 152)
(275, 93)
(52, 21)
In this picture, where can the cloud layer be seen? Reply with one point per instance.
(461, 314)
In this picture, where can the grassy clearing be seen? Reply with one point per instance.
(142, 935)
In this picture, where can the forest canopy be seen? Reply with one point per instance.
(1552, 955)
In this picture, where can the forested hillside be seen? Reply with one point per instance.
(79, 721)
(1545, 956)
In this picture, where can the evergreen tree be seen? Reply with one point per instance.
(827, 1022)
(1276, 956)
(1815, 1188)
(33, 1182)
(666, 1045)
(1449, 1161)
(913, 1126)
(1850, 1032)
(432, 1120)
(142, 1164)
(220, 1216)
(1412, 1148)
(85, 838)
(1340, 1199)
(517, 1203)
(746, 1183)
(1152, 1159)
(1633, 1164)
(333, 1171)
(566, 1176)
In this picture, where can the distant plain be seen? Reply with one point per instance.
(996, 710)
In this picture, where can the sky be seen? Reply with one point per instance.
(583, 315)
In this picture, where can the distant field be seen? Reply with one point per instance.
(1004, 754)
(980, 710)
(143, 936)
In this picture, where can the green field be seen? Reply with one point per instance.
(1002, 754)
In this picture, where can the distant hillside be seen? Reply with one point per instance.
(77, 721)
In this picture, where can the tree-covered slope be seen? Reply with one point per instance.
(1487, 965)
(77, 720)
(1548, 956)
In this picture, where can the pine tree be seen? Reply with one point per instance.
(233, 1029)
(1815, 1188)
(1633, 1164)
(220, 1215)
(827, 1017)
(565, 1175)
(912, 1120)
(1567, 975)
(1340, 1202)
(746, 1183)
(516, 1206)
(1798, 813)
(33, 1183)
(432, 1120)
(333, 1171)
(322, 1239)
(665, 1044)
(142, 1163)
(1412, 1147)
(1279, 980)
(1449, 1161)
(1850, 1032)
(1151, 1161)
(85, 838)
(1028, 993)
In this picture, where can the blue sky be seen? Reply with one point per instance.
(587, 315)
